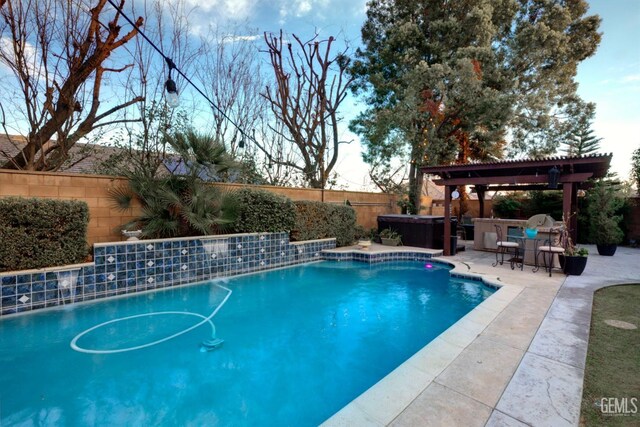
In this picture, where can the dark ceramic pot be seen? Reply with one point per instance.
(573, 265)
(607, 250)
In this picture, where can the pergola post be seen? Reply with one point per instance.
(480, 189)
(447, 219)
(568, 208)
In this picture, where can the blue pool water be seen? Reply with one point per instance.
(300, 343)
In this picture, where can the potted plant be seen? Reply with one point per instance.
(574, 259)
(604, 225)
(390, 237)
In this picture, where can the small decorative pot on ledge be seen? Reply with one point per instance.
(390, 241)
(364, 244)
(389, 237)
(132, 235)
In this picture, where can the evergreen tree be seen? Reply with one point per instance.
(582, 142)
(447, 81)
(635, 168)
(580, 139)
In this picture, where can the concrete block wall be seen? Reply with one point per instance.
(105, 220)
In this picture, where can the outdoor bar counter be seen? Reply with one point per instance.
(485, 235)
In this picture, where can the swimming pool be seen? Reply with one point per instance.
(300, 343)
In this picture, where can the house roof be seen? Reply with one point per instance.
(84, 158)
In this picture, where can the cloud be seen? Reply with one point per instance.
(225, 9)
(631, 78)
(301, 8)
(30, 55)
(239, 9)
(234, 38)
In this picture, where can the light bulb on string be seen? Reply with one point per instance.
(173, 100)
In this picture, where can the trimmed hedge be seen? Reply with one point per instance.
(261, 211)
(37, 233)
(317, 220)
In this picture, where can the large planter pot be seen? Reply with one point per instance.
(573, 265)
(607, 250)
(390, 242)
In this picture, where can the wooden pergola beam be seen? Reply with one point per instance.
(513, 180)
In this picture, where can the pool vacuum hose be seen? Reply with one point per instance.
(206, 345)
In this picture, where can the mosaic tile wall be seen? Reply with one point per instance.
(128, 267)
(401, 256)
(376, 257)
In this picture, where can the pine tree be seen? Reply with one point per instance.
(581, 143)
(580, 139)
(635, 168)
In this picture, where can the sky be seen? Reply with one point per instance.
(610, 78)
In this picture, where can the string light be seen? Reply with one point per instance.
(172, 91)
(170, 84)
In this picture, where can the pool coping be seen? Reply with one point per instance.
(383, 402)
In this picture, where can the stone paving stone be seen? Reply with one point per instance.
(351, 415)
(434, 358)
(498, 419)
(490, 373)
(571, 310)
(543, 392)
(391, 395)
(515, 326)
(441, 406)
(562, 341)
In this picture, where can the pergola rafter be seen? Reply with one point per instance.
(520, 175)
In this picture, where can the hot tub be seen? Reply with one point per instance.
(423, 231)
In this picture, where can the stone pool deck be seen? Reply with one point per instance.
(516, 360)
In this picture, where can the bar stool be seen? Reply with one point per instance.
(504, 246)
(549, 249)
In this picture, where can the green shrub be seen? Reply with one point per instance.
(507, 206)
(317, 220)
(604, 202)
(37, 233)
(342, 224)
(262, 211)
(547, 202)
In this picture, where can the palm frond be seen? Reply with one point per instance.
(121, 197)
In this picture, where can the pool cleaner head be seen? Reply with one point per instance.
(212, 344)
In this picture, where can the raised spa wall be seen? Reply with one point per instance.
(129, 267)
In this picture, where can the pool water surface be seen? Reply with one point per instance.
(300, 343)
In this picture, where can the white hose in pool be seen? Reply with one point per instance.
(206, 319)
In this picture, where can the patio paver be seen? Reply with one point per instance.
(543, 392)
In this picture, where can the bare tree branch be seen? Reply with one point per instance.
(310, 85)
(54, 63)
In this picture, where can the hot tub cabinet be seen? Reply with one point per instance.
(485, 236)
(423, 231)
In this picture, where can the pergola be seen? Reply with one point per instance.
(550, 173)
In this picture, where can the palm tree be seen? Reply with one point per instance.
(181, 203)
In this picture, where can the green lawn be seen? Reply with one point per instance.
(613, 358)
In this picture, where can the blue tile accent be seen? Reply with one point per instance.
(126, 267)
